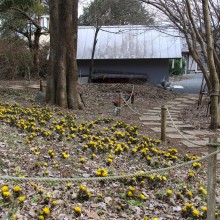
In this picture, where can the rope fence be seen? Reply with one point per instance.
(184, 137)
(107, 178)
(126, 103)
(174, 125)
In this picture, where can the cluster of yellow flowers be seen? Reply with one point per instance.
(110, 160)
(83, 194)
(65, 155)
(156, 180)
(5, 191)
(43, 213)
(101, 172)
(51, 153)
(196, 165)
(16, 190)
(190, 211)
(188, 157)
(130, 191)
(202, 190)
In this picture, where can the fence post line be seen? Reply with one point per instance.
(212, 163)
(163, 122)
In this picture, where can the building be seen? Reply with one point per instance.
(191, 66)
(127, 53)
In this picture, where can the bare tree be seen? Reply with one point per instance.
(113, 12)
(24, 18)
(198, 21)
(63, 74)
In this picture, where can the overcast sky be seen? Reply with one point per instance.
(82, 3)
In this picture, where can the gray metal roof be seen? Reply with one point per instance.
(129, 42)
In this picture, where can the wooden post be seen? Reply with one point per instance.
(212, 163)
(163, 122)
(41, 85)
(132, 98)
(119, 104)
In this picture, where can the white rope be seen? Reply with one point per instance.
(108, 178)
(184, 137)
(129, 105)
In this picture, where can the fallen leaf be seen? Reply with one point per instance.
(92, 215)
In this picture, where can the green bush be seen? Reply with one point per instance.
(177, 70)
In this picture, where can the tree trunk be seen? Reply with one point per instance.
(52, 70)
(63, 67)
(212, 69)
(61, 93)
(73, 97)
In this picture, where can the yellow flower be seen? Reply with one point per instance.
(65, 155)
(196, 212)
(40, 217)
(142, 182)
(82, 160)
(164, 178)
(101, 172)
(68, 185)
(46, 172)
(109, 160)
(190, 193)
(129, 193)
(191, 174)
(35, 186)
(6, 194)
(77, 209)
(146, 218)
(196, 165)
(185, 187)
(151, 177)
(46, 211)
(4, 188)
(184, 209)
(205, 192)
(89, 194)
(41, 191)
(131, 188)
(21, 198)
(82, 188)
(169, 192)
(54, 202)
(204, 209)
(189, 205)
(93, 156)
(143, 197)
(17, 189)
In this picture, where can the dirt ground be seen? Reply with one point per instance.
(98, 99)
